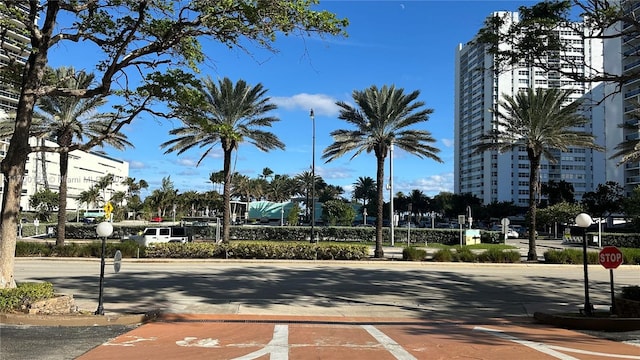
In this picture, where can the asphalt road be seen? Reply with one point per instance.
(422, 291)
(24, 342)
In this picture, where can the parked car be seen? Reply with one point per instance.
(162, 235)
(156, 219)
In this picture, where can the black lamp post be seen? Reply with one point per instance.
(584, 221)
(103, 229)
(313, 175)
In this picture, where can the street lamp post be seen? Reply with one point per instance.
(103, 229)
(313, 175)
(391, 213)
(410, 208)
(584, 221)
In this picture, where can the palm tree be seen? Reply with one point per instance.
(90, 197)
(305, 181)
(540, 120)
(68, 119)
(230, 115)
(266, 173)
(383, 118)
(133, 191)
(103, 183)
(629, 150)
(365, 189)
(216, 178)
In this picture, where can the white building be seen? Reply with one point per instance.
(493, 176)
(85, 169)
(623, 58)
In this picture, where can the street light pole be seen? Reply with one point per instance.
(103, 229)
(392, 215)
(584, 221)
(313, 175)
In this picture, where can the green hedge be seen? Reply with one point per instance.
(574, 256)
(39, 249)
(24, 294)
(260, 250)
(464, 254)
(202, 250)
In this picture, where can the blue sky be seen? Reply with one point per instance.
(410, 44)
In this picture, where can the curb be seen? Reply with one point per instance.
(588, 323)
(77, 320)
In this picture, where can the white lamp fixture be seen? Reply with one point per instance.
(105, 228)
(583, 220)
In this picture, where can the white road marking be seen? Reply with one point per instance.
(578, 351)
(189, 341)
(278, 347)
(551, 349)
(136, 339)
(393, 347)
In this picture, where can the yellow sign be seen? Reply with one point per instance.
(108, 208)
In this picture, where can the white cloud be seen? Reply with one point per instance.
(430, 185)
(447, 142)
(187, 162)
(334, 172)
(320, 103)
(134, 164)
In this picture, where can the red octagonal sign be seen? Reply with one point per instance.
(610, 257)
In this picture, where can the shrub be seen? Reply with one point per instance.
(412, 253)
(29, 248)
(499, 256)
(24, 294)
(631, 293)
(569, 256)
(443, 255)
(630, 256)
(464, 254)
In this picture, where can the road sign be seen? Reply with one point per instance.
(610, 257)
(108, 208)
(117, 261)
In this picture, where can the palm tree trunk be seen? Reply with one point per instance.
(226, 211)
(533, 186)
(379, 252)
(62, 202)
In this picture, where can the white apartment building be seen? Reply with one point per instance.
(85, 169)
(493, 176)
(623, 58)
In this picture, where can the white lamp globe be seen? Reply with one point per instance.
(104, 229)
(583, 220)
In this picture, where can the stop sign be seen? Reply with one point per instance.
(610, 257)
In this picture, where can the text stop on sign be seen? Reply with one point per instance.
(610, 257)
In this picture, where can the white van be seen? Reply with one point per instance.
(163, 235)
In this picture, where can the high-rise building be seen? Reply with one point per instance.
(622, 106)
(504, 177)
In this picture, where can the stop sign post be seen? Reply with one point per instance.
(610, 257)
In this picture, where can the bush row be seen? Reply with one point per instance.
(296, 233)
(36, 249)
(260, 250)
(464, 254)
(24, 294)
(574, 256)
